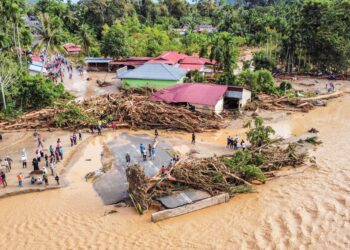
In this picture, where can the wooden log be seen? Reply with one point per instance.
(170, 213)
(324, 97)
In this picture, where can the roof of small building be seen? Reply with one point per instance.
(71, 47)
(196, 93)
(169, 57)
(36, 68)
(152, 71)
(97, 60)
(191, 67)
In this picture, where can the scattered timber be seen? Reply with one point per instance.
(129, 108)
(170, 213)
(273, 102)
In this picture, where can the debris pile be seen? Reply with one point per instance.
(137, 111)
(215, 175)
(129, 108)
(37, 119)
(273, 102)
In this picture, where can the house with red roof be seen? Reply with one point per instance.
(72, 49)
(172, 58)
(204, 97)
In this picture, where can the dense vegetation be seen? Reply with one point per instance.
(304, 36)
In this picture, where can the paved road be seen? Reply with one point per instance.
(112, 186)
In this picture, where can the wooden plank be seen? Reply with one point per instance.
(169, 213)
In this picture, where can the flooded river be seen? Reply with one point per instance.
(301, 211)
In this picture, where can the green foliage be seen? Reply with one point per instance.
(33, 92)
(263, 61)
(72, 115)
(260, 134)
(114, 41)
(257, 81)
(224, 50)
(314, 140)
(265, 81)
(241, 189)
(246, 165)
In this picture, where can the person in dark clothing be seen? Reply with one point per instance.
(75, 139)
(57, 178)
(149, 150)
(46, 160)
(0, 137)
(35, 164)
(4, 182)
(193, 138)
(92, 129)
(80, 135)
(127, 158)
(71, 141)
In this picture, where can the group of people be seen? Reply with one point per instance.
(57, 68)
(73, 138)
(234, 143)
(98, 128)
(170, 168)
(151, 151)
(55, 155)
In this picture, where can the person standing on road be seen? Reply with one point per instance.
(3, 176)
(20, 180)
(24, 158)
(193, 138)
(80, 135)
(127, 158)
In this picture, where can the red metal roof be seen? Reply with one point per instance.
(190, 67)
(139, 58)
(196, 93)
(172, 57)
(36, 59)
(71, 47)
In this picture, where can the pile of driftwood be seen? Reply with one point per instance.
(215, 175)
(273, 102)
(43, 118)
(129, 108)
(137, 111)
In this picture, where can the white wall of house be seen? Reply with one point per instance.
(210, 109)
(246, 97)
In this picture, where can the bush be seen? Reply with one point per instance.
(258, 81)
(263, 61)
(33, 92)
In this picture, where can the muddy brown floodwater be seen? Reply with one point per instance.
(301, 211)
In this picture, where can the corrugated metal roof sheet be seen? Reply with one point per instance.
(36, 68)
(97, 60)
(196, 93)
(155, 72)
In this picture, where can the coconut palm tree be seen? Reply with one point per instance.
(86, 38)
(49, 33)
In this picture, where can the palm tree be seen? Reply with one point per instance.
(49, 33)
(86, 38)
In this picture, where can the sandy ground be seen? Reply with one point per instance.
(12, 145)
(84, 89)
(301, 211)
